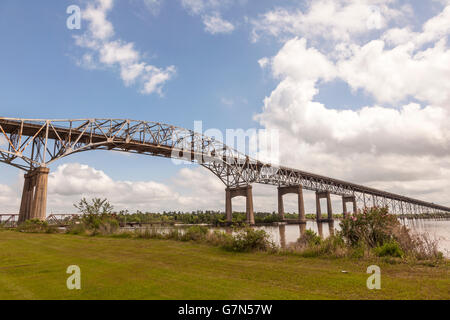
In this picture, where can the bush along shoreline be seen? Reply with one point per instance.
(370, 234)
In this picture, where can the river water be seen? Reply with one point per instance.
(436, 229)
(284, 234)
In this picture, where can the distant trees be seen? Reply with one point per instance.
(102, 207)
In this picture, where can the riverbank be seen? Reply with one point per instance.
(33, 266)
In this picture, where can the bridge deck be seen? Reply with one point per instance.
(160, 147)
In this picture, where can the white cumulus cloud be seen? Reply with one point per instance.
(209, 10)
(400, 144)
(116, 53)
(329, 19)
(215, 24)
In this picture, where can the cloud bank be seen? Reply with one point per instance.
(399, 144)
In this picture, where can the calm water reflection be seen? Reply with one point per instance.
(284, 234)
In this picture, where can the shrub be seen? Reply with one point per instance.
(358, 251)
(373, 226)
(309, 238)
(249, 240)
(108, 226)
(219, 238)
(76, 228)
(418, 246)
(333, 246)
(311, 245)
(195, 233)
(148, 233)
(36, 226)
(94, 224)
(389, 249)
(97, 218)
(173, 234)
(376, 229)
(96, 207)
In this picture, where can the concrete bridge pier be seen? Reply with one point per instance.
(240, 192)
(301, 205)
(302, 227)
(345, 200)
(34, 195)
(320, 228)
(331, 227)
(282, 229)
(322, 195)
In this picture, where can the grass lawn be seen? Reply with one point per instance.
(33, 266)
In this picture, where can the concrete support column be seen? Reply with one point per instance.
(39, 210)
(318, 210)
(301, 206)
(34, 196)
(249, 206)
(27, 196)
(302, 227)
(280, 203)
(344, 208)
(282, 229)
(331, 227)
(345, 200)
(231, 193)
(329, 207)
(298, 190)
(326, 195)
(320, 228)
(228, 206)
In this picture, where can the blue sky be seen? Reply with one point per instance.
(218, 78)
(39, 57)
(40, 77)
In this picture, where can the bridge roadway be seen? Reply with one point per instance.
(32, 145)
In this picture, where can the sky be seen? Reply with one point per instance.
(358, 90)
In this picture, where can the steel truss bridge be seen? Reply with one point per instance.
(33, 144)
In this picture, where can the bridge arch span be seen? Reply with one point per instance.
(33, 144)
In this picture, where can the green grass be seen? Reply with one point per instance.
(33, 266)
